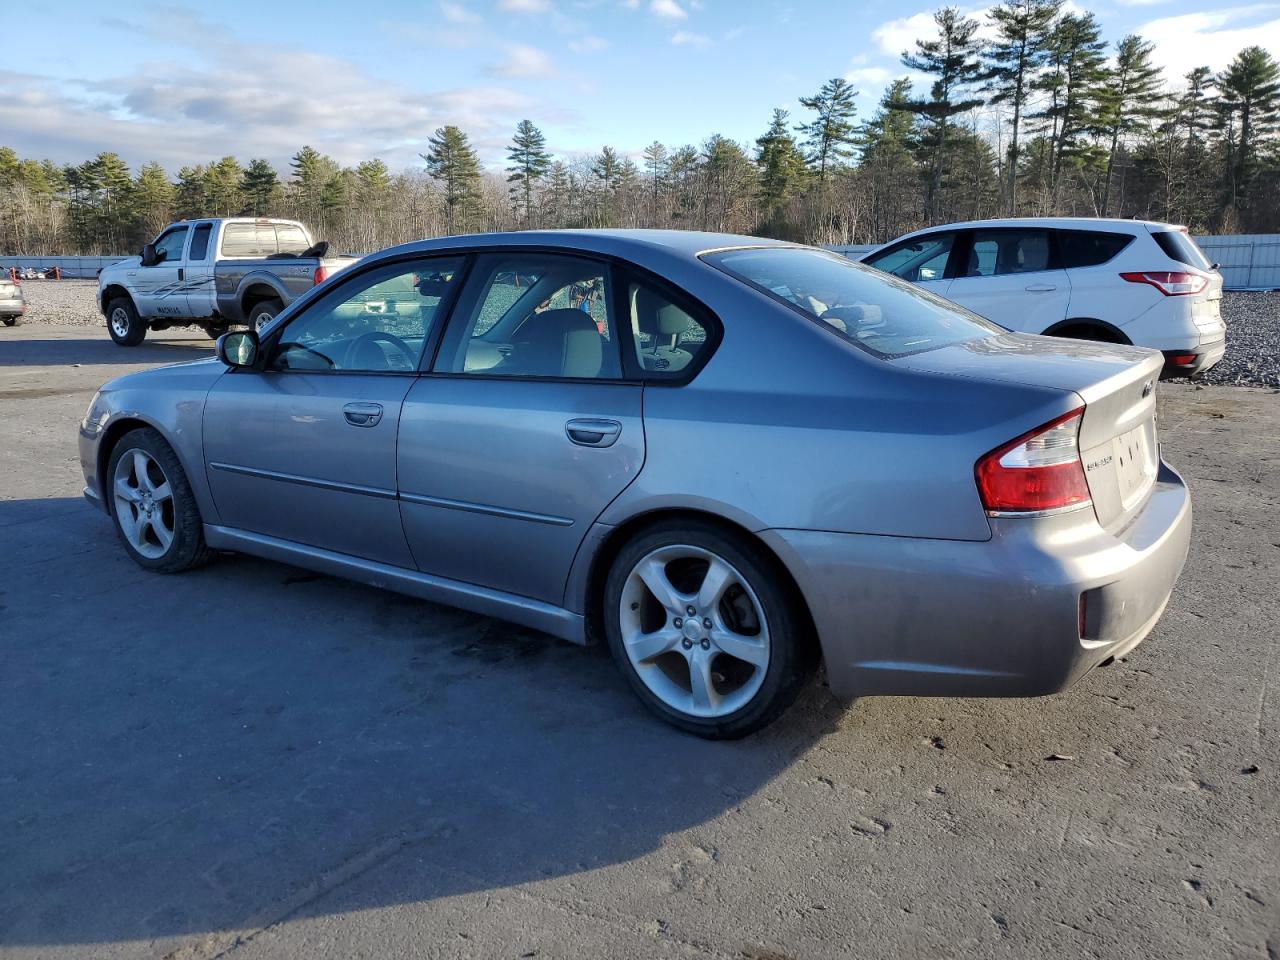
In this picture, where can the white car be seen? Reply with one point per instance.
(1118, 281)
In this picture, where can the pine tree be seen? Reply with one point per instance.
(830, 135)
(1250, 94)
(887, 168)
(781, 164)
(1013, 60)
(259, 188)
(222, 188)
(529, 161)
(153, 197)
(189, 201)
(953, 60)
(312, 172)
(453, 164)
(1127, 102)
(656, 164)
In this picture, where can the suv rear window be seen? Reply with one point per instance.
(878, 312)
(1089, 248)
(1179, 246)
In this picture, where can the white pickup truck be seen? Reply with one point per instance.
(212, 273)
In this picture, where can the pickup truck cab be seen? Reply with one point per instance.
(212, 273)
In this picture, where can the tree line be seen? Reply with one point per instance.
(1045, 118)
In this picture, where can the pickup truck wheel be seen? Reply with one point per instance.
(263, 313)
(154, 510)
(123, 323)
(13, 321)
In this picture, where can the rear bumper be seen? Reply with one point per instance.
(1202, 358)
(12, 308)
(997, 618)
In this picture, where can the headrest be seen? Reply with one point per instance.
(657, 315)
(561, 343)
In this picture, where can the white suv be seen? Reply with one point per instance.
(1119, 281)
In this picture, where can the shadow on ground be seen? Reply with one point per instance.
(218, 750)
(54, 352)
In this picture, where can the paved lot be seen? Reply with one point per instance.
(253, 761)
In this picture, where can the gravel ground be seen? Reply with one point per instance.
(1253, 327)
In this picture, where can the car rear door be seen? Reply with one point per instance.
(525, 429)
(304, 449)
(198, 281)
(1010, 275)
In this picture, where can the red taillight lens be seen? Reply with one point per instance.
(1170, 283)
(1037, 472)
(320, 276)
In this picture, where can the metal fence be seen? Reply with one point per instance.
(1247, 261)
(71, 267)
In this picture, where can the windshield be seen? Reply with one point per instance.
(880, 313)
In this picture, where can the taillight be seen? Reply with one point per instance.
(320, 276)
(1170, 283)
(1038, 472)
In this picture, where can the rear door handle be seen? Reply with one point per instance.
(363, 414)
(181, 273)
(1042, 288)
(590, 432)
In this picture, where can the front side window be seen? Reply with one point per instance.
(667, 337)
(200, 242)
(378, 322)
(169, 247)
(998, 252)
(882, 314)
(535, 315)
(918, 259)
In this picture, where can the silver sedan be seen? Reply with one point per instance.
(731, 459)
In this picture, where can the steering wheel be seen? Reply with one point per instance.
(363, 341)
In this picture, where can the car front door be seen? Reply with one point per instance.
(303, 448)
(921, 260)
(1011, 275)
(158, 289)
(198, 281)
(524, 431)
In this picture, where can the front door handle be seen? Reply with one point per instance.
(590, 432)
(1042, 288)
(363, 414)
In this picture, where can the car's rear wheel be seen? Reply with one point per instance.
(154, 510)
(706, 630)
(12, 321)
(263, 313)
(125, 326)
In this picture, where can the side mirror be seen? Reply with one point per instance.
(238, 349)
(149, 256)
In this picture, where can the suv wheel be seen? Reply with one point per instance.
(154, 511)
(126, 327)
(707, 632)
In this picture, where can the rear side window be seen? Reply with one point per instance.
(248, 240)
(921, 258)
(1089, 248)
(998, 252)
(1179, 246)
(200, 242)
(883, 315)
(290, 238)
(668, 338)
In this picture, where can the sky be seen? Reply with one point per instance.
(184, 83)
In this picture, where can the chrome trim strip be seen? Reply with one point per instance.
(1072, 508)
(485, 509)
(379, 492)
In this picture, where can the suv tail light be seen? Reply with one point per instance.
(1170, 283)
(320, 276)
(1039, 472)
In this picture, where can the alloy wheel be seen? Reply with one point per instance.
(120, 322)
(144, 503)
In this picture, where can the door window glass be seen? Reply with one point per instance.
(378, 322)
(200, 242)
(169, 247)
(290, 239)
(535, 315)
(997, 252)
(667, 337)
(923, 258)
(1089, 248)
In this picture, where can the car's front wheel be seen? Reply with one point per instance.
(154, 510)
(125, 326)
(706, 629)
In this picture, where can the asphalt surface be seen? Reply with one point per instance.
(252, 761)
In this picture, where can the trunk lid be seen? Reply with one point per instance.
(1118, 442)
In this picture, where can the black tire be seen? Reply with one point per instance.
(126, 327)
(263, 313)
(1088, 331)
(187, 548)
(791, 646)
(12, 321)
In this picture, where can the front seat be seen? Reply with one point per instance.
(559, 343)
(663, 323)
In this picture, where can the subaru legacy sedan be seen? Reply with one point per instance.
(731, 459)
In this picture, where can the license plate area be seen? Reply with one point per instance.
(1134, 455)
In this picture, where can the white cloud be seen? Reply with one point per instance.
(1141, 3)
(457, 13)
(667, 9)
(1210, 39)
(526, 62)
(630, 4)
(868, 79)
(525, 6)
(588, 44)
(682, 38)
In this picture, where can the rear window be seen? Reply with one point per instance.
(1179, 246)
(882, 314)
(1089, 248)
(290, 238)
